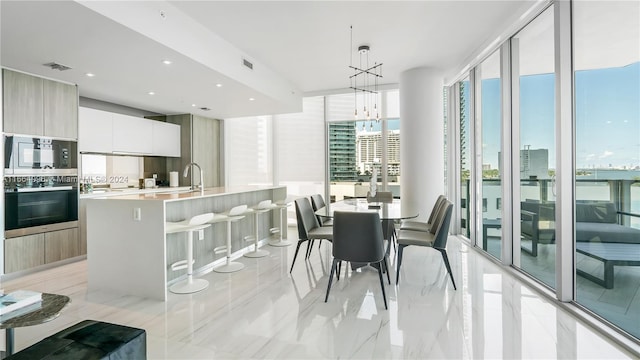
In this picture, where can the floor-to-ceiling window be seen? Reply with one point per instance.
(248, 151)
(488, 112)
(532, 59)
(464, 161)
(607, 156)
(299, 150)
(360, 147)
(601, 146)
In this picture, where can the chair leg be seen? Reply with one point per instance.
(333, 269)
(399, 262)
(309, 247)
(295, 255)
(386, 267)
(446, 263)
(384, 295)
(339, 269)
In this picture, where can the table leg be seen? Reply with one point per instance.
(9, 341)
(608, 274)
(484, 237)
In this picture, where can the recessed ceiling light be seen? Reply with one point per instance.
(193, 105)
(166, 62)
(218, 85)
(90, 74)
(151, 93)
(251, 99)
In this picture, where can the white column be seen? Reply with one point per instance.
(422, 140)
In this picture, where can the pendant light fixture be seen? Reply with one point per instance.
(364, 80)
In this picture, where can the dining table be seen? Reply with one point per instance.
(390, 213)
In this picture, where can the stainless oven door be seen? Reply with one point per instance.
(33, 210)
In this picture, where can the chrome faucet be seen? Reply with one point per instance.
(186, 173)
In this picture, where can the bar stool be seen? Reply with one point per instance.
(196, 223)
(236, 213)
(262, 207)
(283, 205)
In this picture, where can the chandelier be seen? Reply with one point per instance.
(364, 80)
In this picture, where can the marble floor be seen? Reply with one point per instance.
(619, 305)
(265, 312)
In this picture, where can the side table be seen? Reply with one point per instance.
(50, 308)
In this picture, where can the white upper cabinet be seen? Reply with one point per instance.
(112, 133)
(166, 139)
(132, 135)
(95, 131)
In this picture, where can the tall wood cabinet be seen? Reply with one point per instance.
(23, 98)
(37, 106)
(200, 142)
(60, 110)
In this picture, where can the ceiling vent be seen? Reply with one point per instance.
(247, 63)
(56, 66)
(205, 109)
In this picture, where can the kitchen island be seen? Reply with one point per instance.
(129, 253)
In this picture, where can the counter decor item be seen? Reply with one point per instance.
(149, 183)
(173, 179)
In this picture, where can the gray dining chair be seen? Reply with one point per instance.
(308, 227)
(435, 238)
(357, 238)
(421, 225)
(317, 202)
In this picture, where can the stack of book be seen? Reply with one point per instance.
(18, 303)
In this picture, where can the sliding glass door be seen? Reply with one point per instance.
(607, 147)
(488, 113)
(532, 60)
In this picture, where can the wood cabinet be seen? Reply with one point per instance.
(24, 252)
(22, 106)
(95, 131)
(205, 145)
(37, 106)
(82, 227)
(200, 143)
(60, 245)
(60, 109)
(166, 139)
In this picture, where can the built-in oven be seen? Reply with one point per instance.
(36, 204)
(28, 155)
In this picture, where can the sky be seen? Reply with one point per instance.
(607, 111)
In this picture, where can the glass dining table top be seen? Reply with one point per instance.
(387, 211)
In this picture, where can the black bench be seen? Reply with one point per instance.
(89, 339)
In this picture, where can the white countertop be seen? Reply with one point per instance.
(101, 193)
(177, 194)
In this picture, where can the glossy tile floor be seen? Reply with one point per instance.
(265, 312)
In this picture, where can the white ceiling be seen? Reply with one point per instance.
(297, 47)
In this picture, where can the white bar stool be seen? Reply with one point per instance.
(261, 208)
(196, 223)
(283, 223)
(236, 213)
